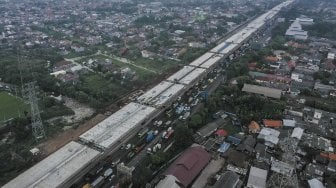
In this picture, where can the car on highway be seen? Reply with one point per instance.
(114, 163)
(143, 132)
(168, 123)
(111, 178)
(128, 146)
(108, 172)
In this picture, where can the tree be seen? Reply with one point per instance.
(196, 120)
(125, 182)
(141, 175)
(19, 127)
(323, 76)
(182, 137)
(309, 93)
(158, 158)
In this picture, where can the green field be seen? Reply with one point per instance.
(141, 73)
(159, 66)
(11, 107)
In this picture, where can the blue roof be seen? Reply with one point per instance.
(224, 147)
(233, 140)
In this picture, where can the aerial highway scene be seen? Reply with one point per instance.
(168, 94)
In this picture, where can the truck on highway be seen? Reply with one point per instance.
(114, 163)
(150, 136)
(186, 115)
(128, 146)
(168, 123)
(143, 132)
(108, 172)
(195, 102)
(156, 148)
(139, 148)
(130, 155)
(87, 185)
(97, 182)
(169, 133)
(164, 134)
(159, 123)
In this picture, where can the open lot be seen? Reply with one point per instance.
(159, 66)
(11, 106)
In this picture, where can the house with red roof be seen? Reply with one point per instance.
(188, 166)
(271, 59)
(254, 127)
(272, 123)
(330, 156)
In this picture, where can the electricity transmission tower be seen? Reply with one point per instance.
(29, 94)
(29, 91)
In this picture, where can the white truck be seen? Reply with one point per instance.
(108, 172)
(97, 182)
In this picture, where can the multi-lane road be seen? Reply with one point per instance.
(104, 140)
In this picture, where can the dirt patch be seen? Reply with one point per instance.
(59, 140)
(81, 110)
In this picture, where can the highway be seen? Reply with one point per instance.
(128, 121)
(116, 154)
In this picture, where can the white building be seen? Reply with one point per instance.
(315, 183)
(297, 77)
(297, 133)
(295, 31)
(270, 136)
(257, 178)
(331, 56)
(305, 21)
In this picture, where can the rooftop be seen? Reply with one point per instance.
(254, 127)
(169, 181)
(282, 167)
(190, 163)
(272, 123)
(209, 128)
(228, 179)
(257, 178)
(297, 133)
(266, 91)
(271, 136)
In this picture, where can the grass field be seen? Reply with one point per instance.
(142, 74)
(159, 66)
(11, 107)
